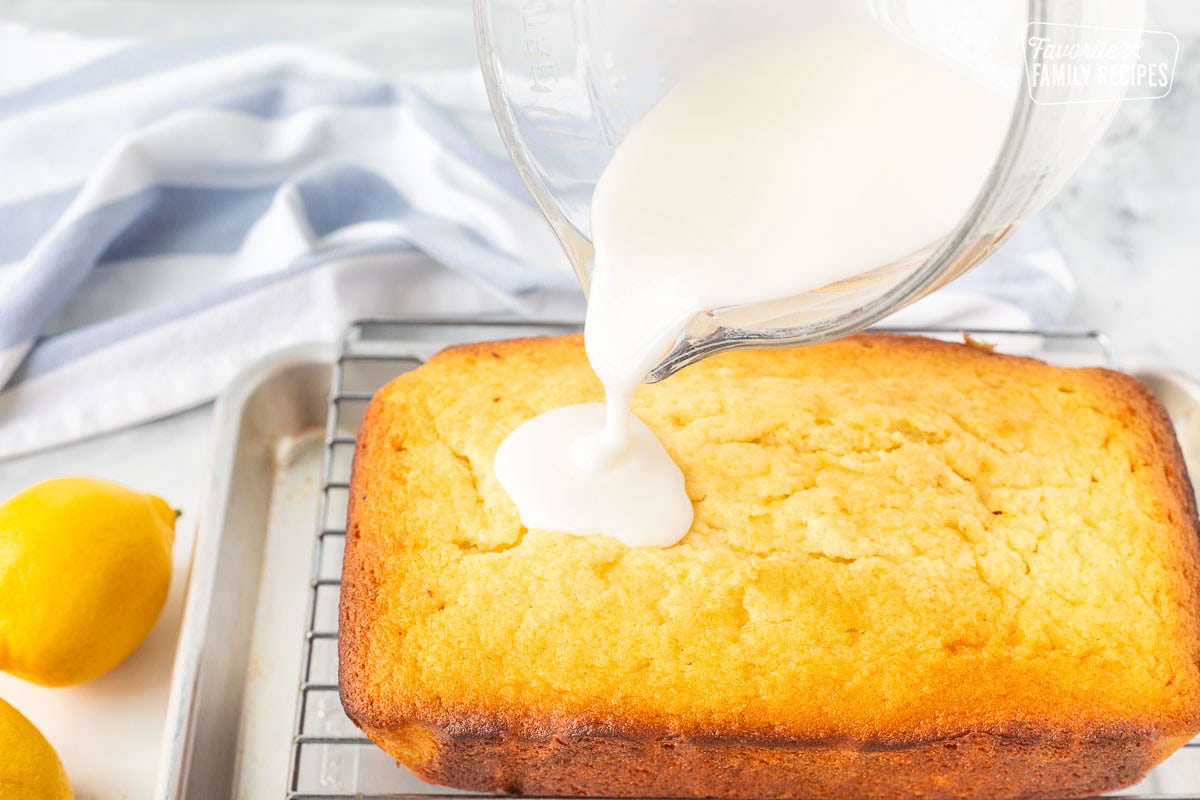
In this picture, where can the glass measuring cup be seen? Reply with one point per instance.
(567, 79)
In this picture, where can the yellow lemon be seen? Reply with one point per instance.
(84, 570)
(29, 767)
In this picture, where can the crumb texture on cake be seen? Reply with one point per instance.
(897, 543)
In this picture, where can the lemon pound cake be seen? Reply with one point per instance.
(916, 569)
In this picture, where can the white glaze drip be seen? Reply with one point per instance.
(775, 172)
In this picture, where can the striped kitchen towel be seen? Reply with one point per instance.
(171, 210)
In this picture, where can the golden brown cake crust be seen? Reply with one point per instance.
(916, 567)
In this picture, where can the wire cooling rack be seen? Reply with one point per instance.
(330, 758)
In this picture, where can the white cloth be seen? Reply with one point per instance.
(171, 210)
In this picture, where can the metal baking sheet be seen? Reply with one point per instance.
(263, 490)
(254, 711)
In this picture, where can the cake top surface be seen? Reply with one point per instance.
(894, 538)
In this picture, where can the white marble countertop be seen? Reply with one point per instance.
(1128, 225)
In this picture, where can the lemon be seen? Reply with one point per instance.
(84, 570)
(29, 767)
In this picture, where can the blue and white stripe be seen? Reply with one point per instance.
(172, 209)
